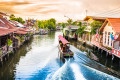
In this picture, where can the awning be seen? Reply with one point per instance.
(64, 41)
(21, 32)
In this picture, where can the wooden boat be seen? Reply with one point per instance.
(64, 48)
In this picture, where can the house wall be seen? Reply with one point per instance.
(106, 35)
(116, 45)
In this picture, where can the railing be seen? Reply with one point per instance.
(116, 52)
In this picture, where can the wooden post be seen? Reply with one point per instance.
(101, 50)
(0, 41)
(112, 57)
(107, 54)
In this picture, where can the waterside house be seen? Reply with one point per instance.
(89, 19)
(111, 35)
(8, 38)
(70, 32)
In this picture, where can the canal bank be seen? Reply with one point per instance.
(38, 60)
(113, 66)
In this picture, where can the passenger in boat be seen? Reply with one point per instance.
(67, 48)
(64, 48)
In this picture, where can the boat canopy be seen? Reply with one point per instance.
(64, 41)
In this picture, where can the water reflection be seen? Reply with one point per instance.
(39, 60)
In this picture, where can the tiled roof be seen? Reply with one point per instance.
(114, 22)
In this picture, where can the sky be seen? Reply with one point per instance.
(58, 9)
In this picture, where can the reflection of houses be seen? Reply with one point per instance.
(89, 20)
(59, 27)
(112, 26)
(70, 31)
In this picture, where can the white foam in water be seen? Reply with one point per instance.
(60, 72)
(102, 75)
(75, 50)
(77, 73)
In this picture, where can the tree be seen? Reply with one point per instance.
(80, 30)
(80, 23)
(53, 20)
(49, 24)
(63, 25)
(12, 15)
(74, 23)
(69, 21)
(19, 19)
(95, 25)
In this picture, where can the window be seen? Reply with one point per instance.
(108, 39)
(105, 37)
(111, 42)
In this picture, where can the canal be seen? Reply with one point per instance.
(39, 60)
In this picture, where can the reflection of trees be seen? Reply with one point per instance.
(6, 71)
(51, 34)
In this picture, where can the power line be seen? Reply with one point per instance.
(109, 11)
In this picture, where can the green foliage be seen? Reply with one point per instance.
(80, 30)
(74, 23)
(9, 42)
(19, 19)
(52, 20)
(21, 39)
(80, 23)
(69, 21)
(12, 15)
(48, 24)
(109, 48)
(95, 25)
(63, 25)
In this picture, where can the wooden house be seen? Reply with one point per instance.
(70, 31)
(90, 19)
(111, 26)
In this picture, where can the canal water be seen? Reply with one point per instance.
(39, 60)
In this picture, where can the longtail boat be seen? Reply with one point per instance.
(64, 48)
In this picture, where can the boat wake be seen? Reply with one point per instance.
(76, 69)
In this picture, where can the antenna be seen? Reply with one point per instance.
(86, 12)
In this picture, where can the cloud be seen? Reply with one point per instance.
(48, 12)
(13, 3)
(74, 9)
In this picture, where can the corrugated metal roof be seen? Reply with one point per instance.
(21, 32)
(4, 31)
(7, 23)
